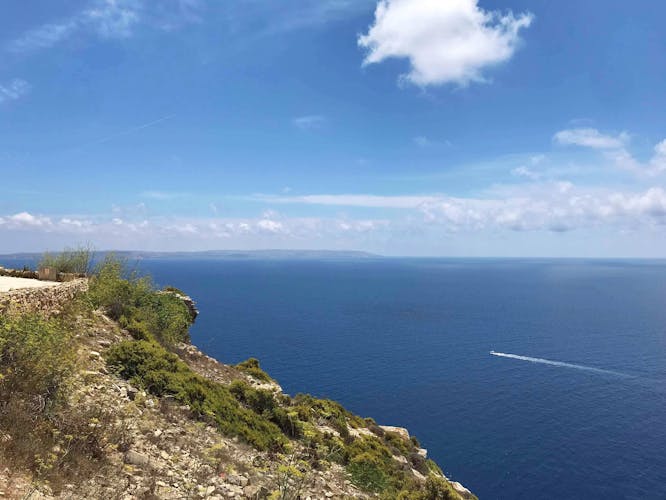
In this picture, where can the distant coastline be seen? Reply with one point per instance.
(221, 254)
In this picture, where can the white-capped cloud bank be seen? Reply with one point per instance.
(552, 206)
(445, 41)
(516, 213)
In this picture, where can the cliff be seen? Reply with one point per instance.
(103, 396)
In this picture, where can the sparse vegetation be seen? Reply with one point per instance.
(71, 260)
(149, 365)
(39, 428)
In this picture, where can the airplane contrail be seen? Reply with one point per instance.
(127, 132)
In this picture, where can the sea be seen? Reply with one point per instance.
(524, 379)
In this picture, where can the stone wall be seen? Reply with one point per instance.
(47, 300)
(18, 273)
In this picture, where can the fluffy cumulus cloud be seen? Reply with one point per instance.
(445, 41)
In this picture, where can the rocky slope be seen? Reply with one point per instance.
(156, 447)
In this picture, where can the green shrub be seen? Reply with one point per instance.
(264, 403)
(149, 365)
(252, 368)
(70, 260)
(367, 472)
(438, 488)
(114, 289)
(147, 313)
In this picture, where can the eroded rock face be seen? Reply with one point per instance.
(188, 301)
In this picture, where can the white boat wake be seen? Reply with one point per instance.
(561, 364)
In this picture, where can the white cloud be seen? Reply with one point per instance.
(43, 36)
(655, 166)
(445, 41)
(13, 90)
(113, 18)
(352, 200)
(553, 207)
(531, 210)
(164, 195)
(423, 142)
(108, 19)
(591, 138)
(309, 122)
(24, 219)
(271, 226)
(614, 148)
(527, 172)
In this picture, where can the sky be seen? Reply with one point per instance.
(400, 127)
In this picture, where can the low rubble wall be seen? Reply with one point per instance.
(47, 300)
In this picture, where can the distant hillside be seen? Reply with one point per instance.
(219, 254)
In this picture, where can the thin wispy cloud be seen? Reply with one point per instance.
(44, 36)
(591, 138)
(276, 18)
(104, 18)
(352, 200)
(164, 195)
(614, 148)
(423, 142)
(113, 18)
(13, 90)
(444, 41)
(309, 122)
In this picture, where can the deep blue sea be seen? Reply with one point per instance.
(580, 413)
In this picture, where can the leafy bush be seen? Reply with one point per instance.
(148, 365)
(437, 488)
(263, 402)
(133, 301)
(252, 368)
(368, 473)
(70, 260)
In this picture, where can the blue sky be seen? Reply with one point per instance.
(402, 127)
